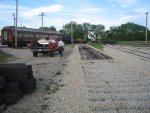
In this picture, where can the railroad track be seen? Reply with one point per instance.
(141, 54)
(88, 53)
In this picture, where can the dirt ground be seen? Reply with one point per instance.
(72, 85)
(48, 72)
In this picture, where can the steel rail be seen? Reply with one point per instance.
(129, 52)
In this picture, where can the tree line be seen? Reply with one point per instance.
(128, 32)
(124, 32)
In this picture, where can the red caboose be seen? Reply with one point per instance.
(25, 35)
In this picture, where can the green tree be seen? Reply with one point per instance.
(44, 28)
(127, 32)
(81, 30)
(52, 28)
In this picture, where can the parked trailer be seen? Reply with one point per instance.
(26, 36)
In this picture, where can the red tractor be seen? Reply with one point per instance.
(45, 46)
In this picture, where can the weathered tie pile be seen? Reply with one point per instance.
(16, 79)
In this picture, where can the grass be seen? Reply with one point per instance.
(133, 43)
(69, 45)
(51, 88)
(4, 56)
(96, 45)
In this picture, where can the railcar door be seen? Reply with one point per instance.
(8, 38)
(5, 35)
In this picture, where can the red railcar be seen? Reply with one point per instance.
(25, 35)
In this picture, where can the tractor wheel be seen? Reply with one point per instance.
(52, 53)
(2, 82)
(35, 53)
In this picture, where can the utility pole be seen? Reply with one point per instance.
(63, 29)
(146, 28)
(42, 14)
(21, 24)
(16, 23)
(13, 14)
(71, 34)
(85, 33)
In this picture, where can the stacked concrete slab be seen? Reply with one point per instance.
(16, 79)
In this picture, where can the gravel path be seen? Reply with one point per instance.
(71, 98)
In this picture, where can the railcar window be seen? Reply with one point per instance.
(41, 36)
(20, 35)
(31, 35)
(36, 35)
(25, 35)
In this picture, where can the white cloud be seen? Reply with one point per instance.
(122, 3)
(92, 10)
(30, 18)
(4, 6)
(107, 22)
(140, 10)
(125, 19)
(6, 9)
(126, 1)
(36, 11)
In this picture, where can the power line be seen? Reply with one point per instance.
(71, 33)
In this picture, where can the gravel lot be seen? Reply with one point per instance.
(48, 72)
(72, 85)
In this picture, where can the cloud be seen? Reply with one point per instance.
(58, 17)
(6, 10)
(126, 1)
(125, 19)
(36, 11)
(122, 3)
(140, 10)
(107, 22)
(6, 13)
(26, 15)
(92, 10)
(4, 6)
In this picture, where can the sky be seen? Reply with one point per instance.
(59, 12)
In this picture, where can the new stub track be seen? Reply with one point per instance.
(88, 53)
(142, 55)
